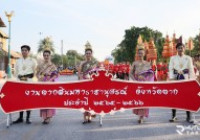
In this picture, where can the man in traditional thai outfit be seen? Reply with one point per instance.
(181, 68)
(24, 71)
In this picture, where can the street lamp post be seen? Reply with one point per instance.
(199, 42)
(9, 15)
(1, 56)
(62, 54)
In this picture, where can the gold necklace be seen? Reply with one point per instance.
(140, 67)
(180, 62)
(23, 64)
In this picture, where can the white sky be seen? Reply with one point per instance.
(101, 22)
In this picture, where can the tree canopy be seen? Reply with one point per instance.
(46, 43)
(127, 47)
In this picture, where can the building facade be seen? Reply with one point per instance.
(4, 51)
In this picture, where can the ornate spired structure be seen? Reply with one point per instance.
(140, 44)
(198, 47)
(167, 48)
(174, 44)
(146, 46)
(152, 52)
(190, 44)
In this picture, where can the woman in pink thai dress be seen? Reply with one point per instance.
(141, 71)
(47, 72)
(84, 73)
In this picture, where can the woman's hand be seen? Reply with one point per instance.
(41, 77)
(51, 80)
(80, 77)
(141, 78)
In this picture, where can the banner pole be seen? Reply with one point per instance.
(195, 121)
(9, 120)
(100, 120)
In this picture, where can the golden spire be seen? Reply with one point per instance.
(139, 41)
(140, 44)
(88, 46)
(190, 44)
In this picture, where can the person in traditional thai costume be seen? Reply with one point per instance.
(197, 66)
(181, 68)
(84, 72)
(121, 71)
(24, 70)
(141, 71)
(47, 72)
(154, 68)
(127, 71)
(196, 63)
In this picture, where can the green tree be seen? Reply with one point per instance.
(125, 51)
(64, 61)
(196, 49)
(46, 43)
(74, 58)
(71, 56)
(57, 59)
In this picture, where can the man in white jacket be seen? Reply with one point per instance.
(24, 71)
(181, 68)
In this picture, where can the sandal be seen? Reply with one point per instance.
(46, 121)
(140, 120)
(89, 121)
(84, 122)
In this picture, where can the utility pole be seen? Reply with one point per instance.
(199, 42)
(62, 53)
(9, 15)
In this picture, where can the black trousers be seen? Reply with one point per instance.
(185, 71)
(28, 113)
(188, 113)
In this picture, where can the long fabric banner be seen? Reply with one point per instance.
(101, 94)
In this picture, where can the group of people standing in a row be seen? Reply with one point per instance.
(180, 67)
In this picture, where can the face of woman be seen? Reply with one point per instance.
(46, 57)
(88, 54)
(141, 53)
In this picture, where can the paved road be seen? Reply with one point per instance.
(66, 125)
